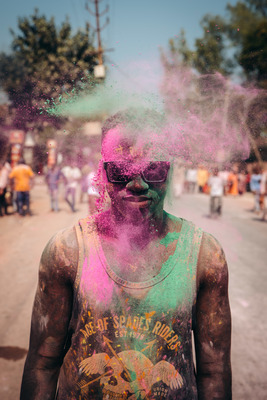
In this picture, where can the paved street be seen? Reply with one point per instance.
(240, 232)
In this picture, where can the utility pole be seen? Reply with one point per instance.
(98, 28)
(100, 50)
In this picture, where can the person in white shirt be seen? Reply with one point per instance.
(178, 179)
(4, 172)
(216, 193)
(263, 192)
(72, 176)
(93, 193)
(191, 180)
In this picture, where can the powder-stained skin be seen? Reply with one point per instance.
(120, 292)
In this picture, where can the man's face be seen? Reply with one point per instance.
(136, 182)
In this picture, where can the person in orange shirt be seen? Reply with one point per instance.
(202, 178)
(232, 183)
(22, 175)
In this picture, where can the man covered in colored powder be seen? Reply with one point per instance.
(120, 293)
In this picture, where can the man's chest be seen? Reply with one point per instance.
(135, 264)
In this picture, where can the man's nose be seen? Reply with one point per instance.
(137, 184)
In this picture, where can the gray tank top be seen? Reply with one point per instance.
(132, 340)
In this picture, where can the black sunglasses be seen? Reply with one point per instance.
(124, 171)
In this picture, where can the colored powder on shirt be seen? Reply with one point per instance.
(169, 238)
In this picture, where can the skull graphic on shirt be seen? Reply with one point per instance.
(129, 374)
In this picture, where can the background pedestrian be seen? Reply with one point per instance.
(72, 176)
(255, 186)
(22, 175)
(52, 179)
(216, 193)
(4, 172)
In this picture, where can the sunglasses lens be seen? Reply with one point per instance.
(121, 172)
(156, 171)
(116, 172)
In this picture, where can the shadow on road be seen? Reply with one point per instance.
(13, 353)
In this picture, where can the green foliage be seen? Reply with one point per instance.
(247, 28)
(210, 49)
(46, 61)
(209, 55)
(243, 31)
(253, 56)
(258, 5)
(179, 46)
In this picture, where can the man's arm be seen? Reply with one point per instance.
(213, 324)
(50, 318)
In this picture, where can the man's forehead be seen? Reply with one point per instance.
(123, 133)
(120, 142)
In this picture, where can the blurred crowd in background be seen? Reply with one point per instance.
(16, 184)
(235, 181)
(74, 184)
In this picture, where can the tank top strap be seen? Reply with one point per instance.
(85, 238)
(195, 248)
(188, 246)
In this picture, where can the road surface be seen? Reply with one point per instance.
(241, 233)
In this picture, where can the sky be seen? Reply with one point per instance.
(136, 30)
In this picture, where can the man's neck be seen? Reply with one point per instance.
(138, 233)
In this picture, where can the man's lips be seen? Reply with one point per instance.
(137, 201)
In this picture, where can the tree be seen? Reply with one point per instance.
(45, 63)
(210, 55)
(247, 29)
(253, 56)
(244, 30)
(217, 115)
(179, 46)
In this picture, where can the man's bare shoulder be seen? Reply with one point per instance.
(61, 255)
(212, 265)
